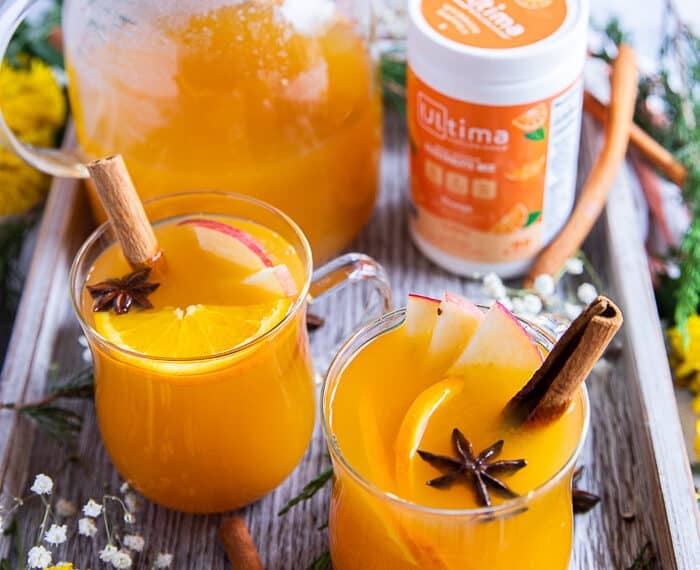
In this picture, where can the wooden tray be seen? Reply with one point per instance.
(635, 456)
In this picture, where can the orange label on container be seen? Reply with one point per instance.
(498, 24)
(479, 172)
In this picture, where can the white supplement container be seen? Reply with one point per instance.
(494, 117)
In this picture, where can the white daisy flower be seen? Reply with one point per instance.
(586, 293)
(163, 560)
(38, 557)
(532, 304)
(57, 534)
(87, 527)
(544, 285)
(92, 509)
(121, 559)
(574, 266)
(134, 542)
(493, 286)
(43, 485)
(108, 552)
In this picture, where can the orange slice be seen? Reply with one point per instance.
(532, 119)
(515, 219)
(526, 171)
(413, 428)
(196, 331)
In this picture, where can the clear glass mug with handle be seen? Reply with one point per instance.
(275, 99)
(213, 433)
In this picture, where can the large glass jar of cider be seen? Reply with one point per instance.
(276, 99)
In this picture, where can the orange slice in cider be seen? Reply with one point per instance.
(195, 331)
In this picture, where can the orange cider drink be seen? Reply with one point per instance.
(268, 98)
(204, 385)
(428, 472)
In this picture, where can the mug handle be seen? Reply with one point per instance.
(347, 270)
(65, 164)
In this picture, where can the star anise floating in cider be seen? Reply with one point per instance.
(120, 294)
(477, 469)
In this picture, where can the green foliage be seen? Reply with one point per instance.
(309, 490)
(323, 562)
(32, 39)
(393, 66)
(12, 236)
(645, 560)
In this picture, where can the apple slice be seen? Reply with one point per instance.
(500, 339)
(276, 280)
(457, 321)
(421, 314)
(230, 243)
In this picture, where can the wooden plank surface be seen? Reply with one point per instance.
(640, 503)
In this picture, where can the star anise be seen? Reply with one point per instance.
(120, 294)
(479, 470)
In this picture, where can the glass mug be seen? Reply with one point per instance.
(260, 96)
(215, 433)
(370, 528)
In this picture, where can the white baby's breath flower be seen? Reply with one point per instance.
(518, 305)
(38, 557)
(572, 310)
(673, 270)
(43, 485)
(129, 518)
(108, 552)
(532, 304)
(163, 560)
(507, 302)
(132, 502)
(574, 266)
(86, 354)
(57, 534)
(83, 341)
(64, 508)
(124, 488)
(586, 293)
(134, 542)
(2, 523)
(493, 286)
(544, 285)
(92, 509)
(121, 559)
(87, 527)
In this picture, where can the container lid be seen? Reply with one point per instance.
(498, 40)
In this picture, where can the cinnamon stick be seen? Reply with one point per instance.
(602, 176)
(125, 211)
(550, 391)
(239, 545)
(656, 154)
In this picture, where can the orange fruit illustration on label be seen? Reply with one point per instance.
(526, 171)
(515, 219)
(533, 4)
(532, 119)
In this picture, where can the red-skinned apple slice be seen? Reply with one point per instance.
(277, 280)
(500, 339)
(457, 322)
(421, 314)
(230, 243)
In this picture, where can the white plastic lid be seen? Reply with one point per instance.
(446, 40)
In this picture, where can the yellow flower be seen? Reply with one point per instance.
(697, 438)
(34, 108)
(685, 359)
(61, 566)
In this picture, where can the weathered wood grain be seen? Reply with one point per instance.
(632, 429)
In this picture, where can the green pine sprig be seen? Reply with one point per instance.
(57, 421)
(309, 490)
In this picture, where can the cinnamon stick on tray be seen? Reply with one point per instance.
(239, 545)
(547, 395)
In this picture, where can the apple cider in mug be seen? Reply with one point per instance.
(182, 413)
